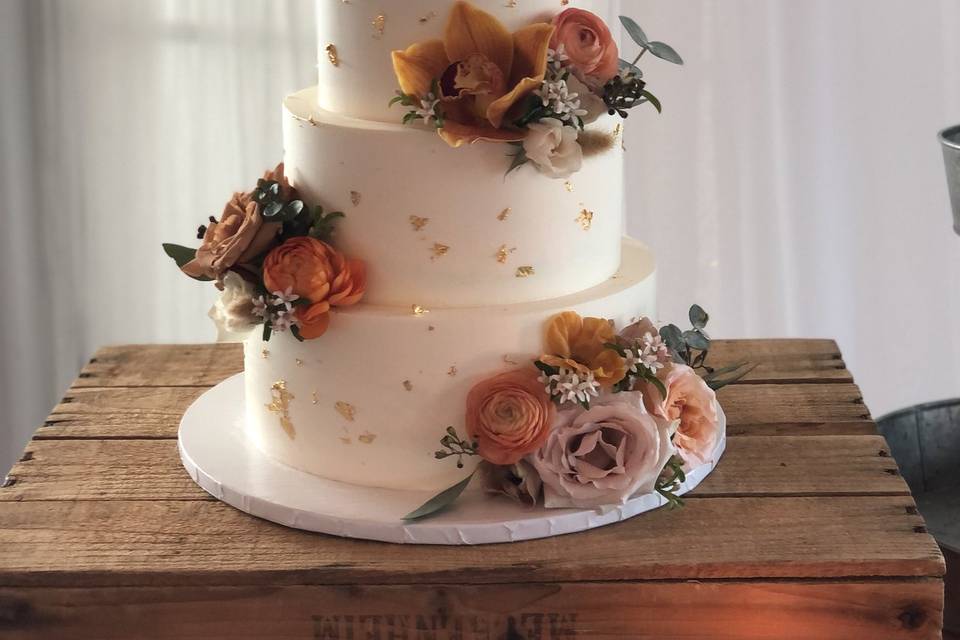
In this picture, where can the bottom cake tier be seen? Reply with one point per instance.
(368, 402)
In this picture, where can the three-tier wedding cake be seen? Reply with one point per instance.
(472, 300)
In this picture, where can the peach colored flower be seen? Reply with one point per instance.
(508, 416)
(483, 71)
(603, 455)
(580, 344)
(316, 272)
(588, 43)
(694, 404)
(241, 234)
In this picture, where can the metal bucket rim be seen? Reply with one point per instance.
(950, 137)
(917, 408)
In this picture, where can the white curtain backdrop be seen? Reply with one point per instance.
(793, 185)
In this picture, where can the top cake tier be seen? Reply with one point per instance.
(361, 34)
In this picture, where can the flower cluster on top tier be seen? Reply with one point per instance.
(536, 89)
(272, 259)
(601, 417)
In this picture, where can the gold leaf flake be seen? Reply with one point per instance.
(439, 250)
(265, 354)
(568, 186)
(504, 214)
(418, 223)
(617, 130)
(452, 371)
(419, 311)
(431, 328)
(346, 409)
(525, 271)
(379, 25)
(280, 405)
(503, 253)
(332, 55)
(355, 198)
(299, 362)
(511, 4)
(408, 385)
(509, 359)
(564, 3)
(427, 17)
(314, 398)
(346, 440)
(585, 219)
(366, 437)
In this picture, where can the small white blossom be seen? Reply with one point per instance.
(285, 299)
(428, 108)
(572, 386)
(260, 308)
(556, 57)
(557, 97)
(283, 321)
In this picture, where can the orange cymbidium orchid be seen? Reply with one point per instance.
(482, 70)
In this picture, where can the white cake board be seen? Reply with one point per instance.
(226, 464)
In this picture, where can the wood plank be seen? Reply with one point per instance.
(787, 360)
(718, 610)
(137, 543)
(155, 412)
(760, 466)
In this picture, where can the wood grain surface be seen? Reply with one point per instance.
(804, 530)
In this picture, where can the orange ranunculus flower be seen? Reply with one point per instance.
(580, 344)
(509, 416)
(317, 272)
(589, 45)
(483, 71)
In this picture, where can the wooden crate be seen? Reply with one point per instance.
(805, 530)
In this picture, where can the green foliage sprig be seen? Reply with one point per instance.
(454, 445)
(670, 480)
(691, 347)
(415, 103)
(628, 89)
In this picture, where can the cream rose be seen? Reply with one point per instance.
(603, 455)
(694, 404)
(553, 148)
(233, 310)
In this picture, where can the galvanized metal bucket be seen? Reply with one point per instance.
(950, 141)
(925, 442)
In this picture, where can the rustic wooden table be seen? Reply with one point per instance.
(805, 530)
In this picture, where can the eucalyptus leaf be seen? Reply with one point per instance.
(626, 65)
(716, 373)
(696, 341)
(719, 383)
(518, 159)
(665, 52)
(634, 30)
(440, 501)
(698, 317)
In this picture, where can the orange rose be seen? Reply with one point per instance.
(509, 416)
(240, 235)
(588, 44)
(579, 344)
(317, 272)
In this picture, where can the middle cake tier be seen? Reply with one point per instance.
(445, 227)
(369, 402)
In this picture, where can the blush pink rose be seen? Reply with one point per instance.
(509, 416)
(603, 455)
(694, 404)
(588, 43)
